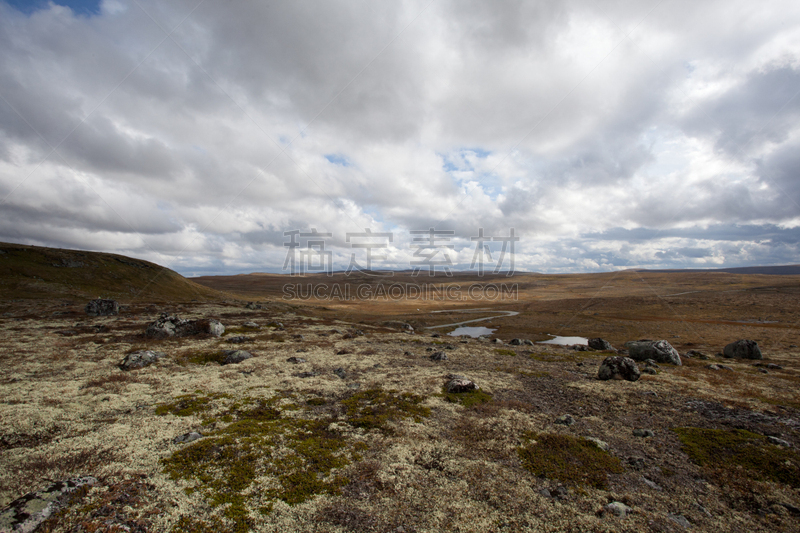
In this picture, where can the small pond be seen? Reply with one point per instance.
(565, 340)
(475, 331)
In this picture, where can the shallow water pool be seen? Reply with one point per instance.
(565, 340)
(475, 331)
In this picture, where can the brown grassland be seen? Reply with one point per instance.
(380, 446)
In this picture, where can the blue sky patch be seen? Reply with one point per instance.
(79, 7)
(338, 159)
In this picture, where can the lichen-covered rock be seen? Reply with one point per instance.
(101, 307)
(439, 356)
(25, 514)
(600, 344)
(742, 349)
(460, 384)
(140, 359)
(173, 326)
(617, 367)
(233, 357)
(186, 438)
(660, 351)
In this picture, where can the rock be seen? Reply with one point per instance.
(600, 344)
(140, 359)
(650, 370)
(102, 307)
(460, 384)
(680, 520)
(515, 342)
(638, 432)
(742, 349)
(723, 367)
(545, 493)
(449, 347)
(306, 374)
(565, 420)
(659, 351)
(173, 326)
(697, 354)
(186, 438)
(713, 367)
(497, 341)
(652, 484)
(340, 372)
(779, 442)
(438, 356)
(251, 325)
(25, 514)
(296, 360)
(652, 363)
(435, 335)
(233, 357)
(603, 445)
(580, 347)
(617, 367)
(239, 339)
(527, 342)
(637, 463)
(617, 509)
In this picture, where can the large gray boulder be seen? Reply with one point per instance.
(101, 307)
(173, 326)
(618, 367)
(659, 351)
(742, 349)
(25, 514)
(140, 359)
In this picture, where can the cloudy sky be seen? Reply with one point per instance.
(608, 135)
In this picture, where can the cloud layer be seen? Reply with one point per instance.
(611, 135)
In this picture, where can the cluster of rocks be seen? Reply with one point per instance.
(660, 351)
(102, 307)
(173, 326)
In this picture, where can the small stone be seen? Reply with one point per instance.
(527, 342)
(773, 366)
(438, 356)
(186, 438)
(497, 341)
(650, 370)
(545, 493)
(515, 342)
(724, 367)
(600, 344)
(565, 420)
(340, 372)
(435, 335)
(637, 463)
(306, 374)
(239, 339)
(779, 442)
(233, 357)
(643, 433)
(561, 492)
(652, 484)
(251, 325)
(603, 445)
(680, 520)
(617, 509)
(295, 360)
(713, 367)
(140, 359)
(652, 363)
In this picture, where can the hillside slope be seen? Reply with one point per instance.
(34, 272)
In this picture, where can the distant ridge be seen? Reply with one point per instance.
(37, 272)
(785, 270)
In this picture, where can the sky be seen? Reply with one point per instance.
(205, 136)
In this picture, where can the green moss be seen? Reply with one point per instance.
(568, 459)
(726, 451)
(467, 399)
(316, 401)
(301, 454)
(187, 524)
(534, 374)
(505, 351)
(374, 408)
